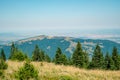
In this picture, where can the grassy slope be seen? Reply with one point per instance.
(50, 71)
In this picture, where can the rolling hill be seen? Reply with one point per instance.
(50, 43)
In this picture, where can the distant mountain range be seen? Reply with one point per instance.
(50, 43)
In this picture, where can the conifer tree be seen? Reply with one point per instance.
(97, 59)
(57, 56)
(35, 56)
(60, 58)
(2, 55)
(109, 64)
(64, 59)
(115, 58)
(12, 50)
(41, 56)
(47, 58)
(79, 57)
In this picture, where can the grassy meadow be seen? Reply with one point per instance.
(50, 71)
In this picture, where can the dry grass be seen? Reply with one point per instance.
(50, 71)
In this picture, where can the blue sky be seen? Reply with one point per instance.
(59, 16)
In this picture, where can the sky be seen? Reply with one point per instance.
(59, 17)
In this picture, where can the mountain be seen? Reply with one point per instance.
(50, 43)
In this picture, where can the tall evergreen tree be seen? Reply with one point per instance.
(86, 59)
(97, 59)
(47, 58)
(60, 58)
(36, 54)
(41, 55)
(64, 59)
(79, 57)
(12, 50)
(115, 57)
(57, 56)
(109, 64)
(2, 55)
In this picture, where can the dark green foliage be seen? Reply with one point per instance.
(12, 51)
(41, 55)
(36, 52)
(1, 73)
(2, 55)
(115, 58)
(38, 55)
(97, 59)
(109, 64)
(63, 59)
(69, 61)
(27, 72)
(47, 58)
(59, 57)
(79, 57)
(17, 54)
(3, 65)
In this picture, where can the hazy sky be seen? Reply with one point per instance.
(58, 16)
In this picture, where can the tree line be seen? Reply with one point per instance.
(79, 58)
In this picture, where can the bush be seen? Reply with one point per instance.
(27, 72)
(3, 65)
(1, 73)
(19, 55)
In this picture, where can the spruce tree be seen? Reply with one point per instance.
(12, 50)
(58, 56)
(2, 55)
(97, 59)
(86, 59)
(47, 58)
(35, 56)
(109, 64)
(115, 58)
(64, 59)
(41, 56)
(78, 57)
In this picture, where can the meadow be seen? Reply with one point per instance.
(50, 71)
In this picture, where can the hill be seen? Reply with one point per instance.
(50, 71)
(50, 43)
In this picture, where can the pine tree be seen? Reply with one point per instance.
(47, 58)
(2, 55)
(27, 72)
(35, 56)
(57, 56)
(109, 64)
(86, 57)
(64, 59)
(12, 51)
(78, 57)
(115, 58)
(97, 59)
(60, 58)
(41, 56)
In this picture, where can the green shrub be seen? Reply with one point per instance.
(1, 73)
(3, 65)
(27, 72)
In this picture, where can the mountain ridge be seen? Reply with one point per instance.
(50, 43)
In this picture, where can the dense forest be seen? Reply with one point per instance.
(79, 58)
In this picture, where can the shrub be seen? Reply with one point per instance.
(3, 65)
(27, 72)
(1, 73)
